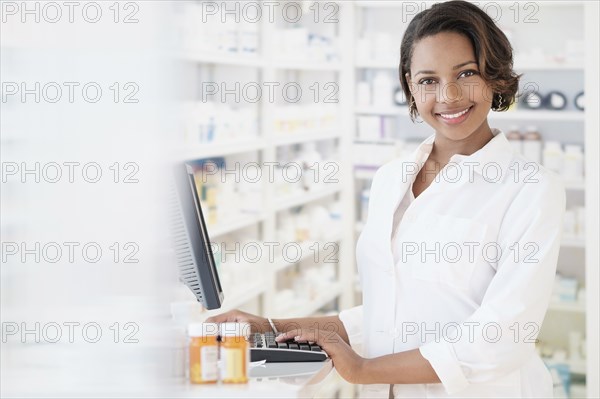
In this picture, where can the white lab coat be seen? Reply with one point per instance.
(464, 312)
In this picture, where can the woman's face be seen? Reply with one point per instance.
(449, 93)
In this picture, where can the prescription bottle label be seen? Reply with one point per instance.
(203, 362)
(234, 365)
(208, 361)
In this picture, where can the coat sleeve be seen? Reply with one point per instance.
(499, 337)
(352, 319)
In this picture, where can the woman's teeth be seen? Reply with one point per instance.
(454, 116)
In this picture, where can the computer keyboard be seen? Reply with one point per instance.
(264, 347)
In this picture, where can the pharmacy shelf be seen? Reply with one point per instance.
(305, 197)
(222, 59)
(306, 250)
(307, 136)
(238, 222)
(220, 149)
(573, 242)
(541, 115)
(303, 65)
(310, 307)
(564, 306)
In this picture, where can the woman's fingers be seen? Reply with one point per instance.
(300, 336)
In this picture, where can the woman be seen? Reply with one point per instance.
(458, 256)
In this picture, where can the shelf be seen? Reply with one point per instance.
(223, 59)
(305, 251)
(240, 222)
(303, 137)
(564, 306)
(219, 149)
(305, 197)
(303, 65)
(386, 111)
(572, 242)
(310, 307)
(542, 115)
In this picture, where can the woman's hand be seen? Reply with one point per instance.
(346, 361)
(257, 323)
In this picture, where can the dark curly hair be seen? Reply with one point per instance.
(493, 51)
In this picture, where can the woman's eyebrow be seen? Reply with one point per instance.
(453, 68)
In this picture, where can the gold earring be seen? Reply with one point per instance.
(500, 102)
(414, 105)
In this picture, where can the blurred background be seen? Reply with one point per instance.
(286, 111)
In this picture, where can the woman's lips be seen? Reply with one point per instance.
(455, 117)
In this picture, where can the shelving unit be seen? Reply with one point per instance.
(269, 67)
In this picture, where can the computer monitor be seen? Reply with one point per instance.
(195, 259)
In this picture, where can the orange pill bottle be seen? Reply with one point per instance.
(203, 353)
(235, 352)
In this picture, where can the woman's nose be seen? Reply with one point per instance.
(450, 93)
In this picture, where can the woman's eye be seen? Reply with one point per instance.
(468, 73)
(426, 81)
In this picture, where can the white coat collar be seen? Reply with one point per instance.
(498, 150)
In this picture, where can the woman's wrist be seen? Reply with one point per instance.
(362, 371)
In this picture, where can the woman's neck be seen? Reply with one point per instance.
(444, 148)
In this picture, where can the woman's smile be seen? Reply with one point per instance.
(454, 117)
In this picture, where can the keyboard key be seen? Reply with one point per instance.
(293, 345)
(283, 345)
(272, 344)
(305, 347)
(315, 348)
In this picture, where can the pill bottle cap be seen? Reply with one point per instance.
(203, 330)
